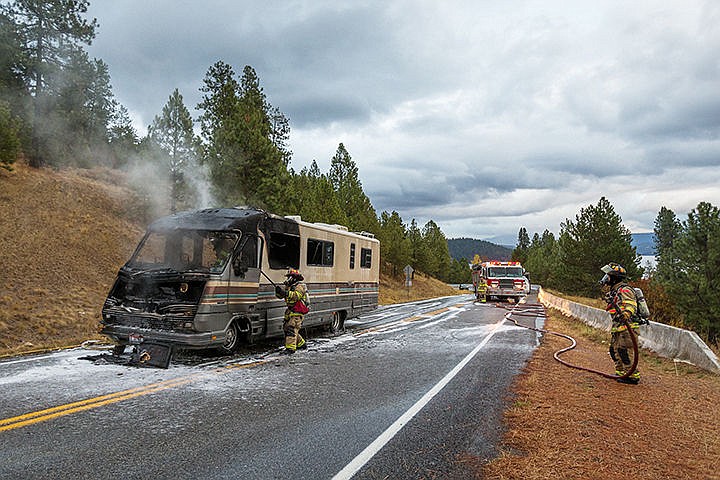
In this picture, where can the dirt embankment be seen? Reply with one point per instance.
(64, 234)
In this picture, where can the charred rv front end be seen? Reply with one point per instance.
(194, 280)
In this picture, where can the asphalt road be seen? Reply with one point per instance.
(409, 391)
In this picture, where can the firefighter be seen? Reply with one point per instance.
(297, 300)
(481, 290)
(622, 306)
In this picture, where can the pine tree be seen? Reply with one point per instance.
(596, 237)
(13, 66)
(75, 128)
(9, 139)
(356, 205)
(437, 258)
(459, 272)
(244, 140)
(542, 259)
(221, 149)
(394, 245)
(264, 161)
(696, 276)
(122, 138)
(172, 133)
(53, 31)
(311, 195)
(519, 254)
(668, 230)
(414, 236)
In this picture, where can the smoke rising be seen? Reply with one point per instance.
(151, 178)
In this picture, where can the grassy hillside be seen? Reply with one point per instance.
(64, 235)
(393, 290)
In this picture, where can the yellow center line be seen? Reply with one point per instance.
(95, 402)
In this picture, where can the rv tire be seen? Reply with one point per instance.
(337, 323)
(232, 339)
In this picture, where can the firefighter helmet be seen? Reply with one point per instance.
(295, 275)
(613, 273)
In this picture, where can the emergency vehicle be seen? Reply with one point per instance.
(504, 280)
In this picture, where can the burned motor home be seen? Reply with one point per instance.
(205, 278)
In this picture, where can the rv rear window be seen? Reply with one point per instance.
(283, 251)
(320, 253)
(365, 258)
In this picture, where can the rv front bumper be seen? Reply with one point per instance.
(125, 335)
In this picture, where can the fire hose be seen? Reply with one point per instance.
(538, 310)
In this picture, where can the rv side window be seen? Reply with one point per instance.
(352, 255)
(283, 250)
(248, 254)
(320, 253)
(365, 258)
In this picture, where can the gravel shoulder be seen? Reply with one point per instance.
(571, 424)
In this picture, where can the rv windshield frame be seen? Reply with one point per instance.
(184, 250)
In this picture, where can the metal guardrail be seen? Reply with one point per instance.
(665, 340)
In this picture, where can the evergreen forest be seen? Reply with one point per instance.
(681, 289)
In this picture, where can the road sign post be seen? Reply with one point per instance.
(408, 277)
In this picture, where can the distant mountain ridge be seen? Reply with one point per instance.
(644, 243)
(467, 248)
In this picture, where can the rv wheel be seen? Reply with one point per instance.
(232, 339)
(337, 323)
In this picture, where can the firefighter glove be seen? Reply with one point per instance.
(279, 292)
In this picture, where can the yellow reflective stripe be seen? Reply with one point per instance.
(622, 328)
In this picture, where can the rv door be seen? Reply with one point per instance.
(245, 265)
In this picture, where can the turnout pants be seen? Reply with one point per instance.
(621, 349)
(291, 327)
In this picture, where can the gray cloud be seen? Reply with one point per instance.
(482, 116)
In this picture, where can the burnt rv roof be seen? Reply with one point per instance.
(245, 219)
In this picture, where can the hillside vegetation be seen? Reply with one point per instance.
(467, 248)
(64, 235)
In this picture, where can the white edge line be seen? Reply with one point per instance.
(24, 360)
(363, 457)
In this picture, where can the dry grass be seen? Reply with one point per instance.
(63, 237)
(571, 424)
(393, 290)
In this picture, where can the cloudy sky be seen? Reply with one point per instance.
(483, 116)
